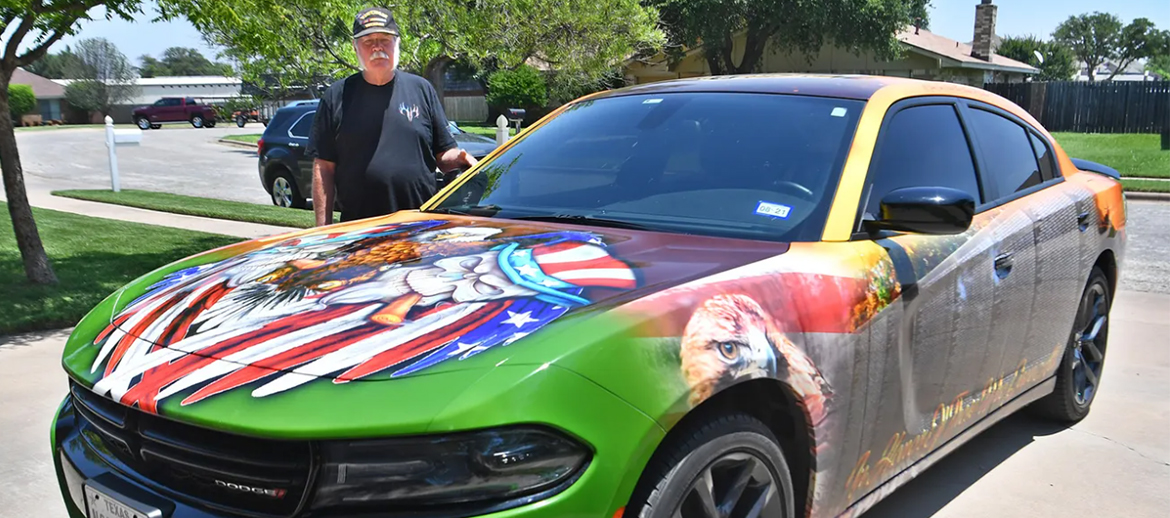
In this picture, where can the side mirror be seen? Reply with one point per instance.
(926, 210)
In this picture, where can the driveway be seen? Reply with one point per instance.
(175, 159)
(1114, 463)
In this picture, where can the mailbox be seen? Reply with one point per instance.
(515, 114)
(128, 137)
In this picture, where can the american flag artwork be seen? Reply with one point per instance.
(392, 300)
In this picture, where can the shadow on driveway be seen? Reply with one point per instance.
(936, 487)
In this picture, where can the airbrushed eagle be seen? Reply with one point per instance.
(396, 298)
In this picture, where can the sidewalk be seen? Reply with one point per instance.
(39, 196)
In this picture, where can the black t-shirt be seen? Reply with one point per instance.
(383, 140)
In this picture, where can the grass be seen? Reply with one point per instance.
(1138, 155)
(92, 258)
(1145, 185)
(250, 138)
(480, 128)
(194, 206)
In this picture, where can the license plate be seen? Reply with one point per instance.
(102, 505)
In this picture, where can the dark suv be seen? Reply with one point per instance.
(287, 174)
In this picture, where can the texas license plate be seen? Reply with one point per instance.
(102, 505)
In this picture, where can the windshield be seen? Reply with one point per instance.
(755, 166)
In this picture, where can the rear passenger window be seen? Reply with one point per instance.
(303, 126)
(1008, 154)
(1044, 156)
(923, 146)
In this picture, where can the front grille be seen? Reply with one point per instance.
(218, 470)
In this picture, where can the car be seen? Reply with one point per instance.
(761, 295)
(287, 175)
(174, 110)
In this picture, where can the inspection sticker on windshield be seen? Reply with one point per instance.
(652, 101)
(775, 210)
(839, 112)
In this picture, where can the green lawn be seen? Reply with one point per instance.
(1131, 154)
(206, 207)
(92, 257)
(251, 138)
(484, 129)
(1146, 185)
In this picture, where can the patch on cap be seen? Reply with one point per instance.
(374, 19)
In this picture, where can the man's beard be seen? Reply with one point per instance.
(379, 54)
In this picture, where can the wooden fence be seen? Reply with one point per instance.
(1099, 107)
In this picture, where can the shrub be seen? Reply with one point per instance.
(520, 88)
(21, 100)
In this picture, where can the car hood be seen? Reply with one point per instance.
(398, 297)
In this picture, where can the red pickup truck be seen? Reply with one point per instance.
(170, 110)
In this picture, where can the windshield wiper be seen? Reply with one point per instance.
(474, 210)
(584, 219)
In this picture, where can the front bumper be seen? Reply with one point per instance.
(621, 437)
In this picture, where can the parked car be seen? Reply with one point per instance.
(175, 110)
(287, 175)
(770, 296)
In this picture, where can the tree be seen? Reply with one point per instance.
(801, 26)
(1160, 65)
(520, 88)
(1138, 40)
(312, 37)
(181, 61)
(44, 22)
(107, 77)
(1092, 38)
(62, 65)
(21, 100)
(1057, 64)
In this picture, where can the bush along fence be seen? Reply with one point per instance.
(1099, 107)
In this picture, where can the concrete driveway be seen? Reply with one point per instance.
(175, 159)
(1114, 463)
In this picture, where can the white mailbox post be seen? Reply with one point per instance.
(501, 130)
(115, 138)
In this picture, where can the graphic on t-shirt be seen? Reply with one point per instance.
(411, 112)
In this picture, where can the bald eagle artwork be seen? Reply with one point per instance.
(730, 338)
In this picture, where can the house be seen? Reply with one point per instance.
(205, 89)
(927, 56)
(50, 95)
(1134, 71)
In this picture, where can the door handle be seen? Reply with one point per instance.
(1003, 265)
(1083, 221)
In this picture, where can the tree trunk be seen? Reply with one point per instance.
(435, 73)
(28, 240)
(752, 53)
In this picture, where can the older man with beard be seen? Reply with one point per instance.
(380, 134)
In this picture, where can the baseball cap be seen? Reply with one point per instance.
(374, 19)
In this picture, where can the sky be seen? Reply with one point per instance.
(954, 19)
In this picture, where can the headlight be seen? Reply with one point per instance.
(490, 465)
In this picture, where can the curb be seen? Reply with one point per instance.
(237, 143)
(1148, 196)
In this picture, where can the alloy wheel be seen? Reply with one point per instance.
(143, 124)
(736, 485)
(282, 192)
(197, 121)
(1089, 343)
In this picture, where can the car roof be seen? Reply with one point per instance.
(860, 87)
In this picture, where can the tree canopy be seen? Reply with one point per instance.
(1098, 37)
(305, 42)
(1057, 64)
(800, 26)
(181, 61)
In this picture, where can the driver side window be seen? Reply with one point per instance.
(922, 146)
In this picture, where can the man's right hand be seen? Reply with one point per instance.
(324, 191)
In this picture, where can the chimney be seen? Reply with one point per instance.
(984, 30)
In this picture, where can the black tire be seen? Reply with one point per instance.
(209, 124)
(143, 123)
(293, 194)
(198, 121)
(241, 121)
(1069, 402)
(155, 126)
(732, 446)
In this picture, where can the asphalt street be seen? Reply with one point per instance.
(1114, 463)
(175, 159)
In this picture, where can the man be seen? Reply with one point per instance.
(379, 135)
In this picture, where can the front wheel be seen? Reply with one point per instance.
(197, 121)
(285, 192)
(241, 121)
(143, 123)
(1079, 373)
(731, 466)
